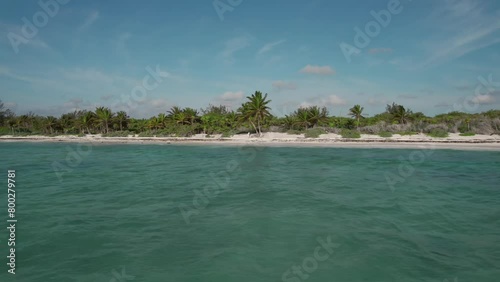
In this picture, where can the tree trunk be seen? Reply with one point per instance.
(255, 128)
(258, 124)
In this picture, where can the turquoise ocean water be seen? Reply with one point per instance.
(117, 213)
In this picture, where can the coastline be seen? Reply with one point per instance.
(454, 141)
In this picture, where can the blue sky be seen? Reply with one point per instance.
(430, 55)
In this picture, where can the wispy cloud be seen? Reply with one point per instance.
(7, 72)
(230, 99)
(321, 70)
(269, 46)
(443, 105)
(121, 44)
(467, 28)
(35, 42)
(283, 85)
(328, 101)
(232, 46)
(406, 96)
(91, 18)
(231, 96)
(483, 99)
(375, 51)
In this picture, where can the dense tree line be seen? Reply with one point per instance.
(254, 115)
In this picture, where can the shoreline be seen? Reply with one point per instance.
(482, 142)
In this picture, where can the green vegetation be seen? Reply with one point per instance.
(385, 134)
(440, 133)
(314, 132)
(347, 133)
(403, 133)
(294, 132)
(467, 134)
(254, 116)
(228, 134)
(356, 112)
(118, 134)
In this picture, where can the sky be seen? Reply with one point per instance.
(433, 56)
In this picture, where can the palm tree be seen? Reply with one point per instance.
(357, 113)
(302, 118)
(289, 121)
(161, 120)
(317, 115)
(467, 121)
(87, 120)
(177, 115)
(50, 123)
(104, 115)
(153, 123)
(68, 121)
(402, 115)
(122, 119)
(191, 115)
(256, 111)
(231, 119)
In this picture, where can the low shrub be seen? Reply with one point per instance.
(439, 133)
(440, 127)
(294, 132)
(467, 134)
(314, 132)
(147, 134)
(117, 134)
(5, 131)
(348, 133)
(385, 134)
(227, 134)
(403, 133)
(22, 134)
(398, 127)
(371, 129)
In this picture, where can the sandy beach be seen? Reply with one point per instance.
(419, 141)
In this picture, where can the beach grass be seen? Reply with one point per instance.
(468, 134)
(314, 132)
(348, 133)
(385, 134)
(438, 133)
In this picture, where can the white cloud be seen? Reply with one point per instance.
(269, 46)
(120, 44)
(232, 46)
(483, 99)
(377, 100)
(320, 70)
(89, 75)
(328, 101)
(146, 108)
(374, 51)
(467, 27)
(407, 96)
(231, 96)
(283, 85)
(35, 42)
(91, 18)
(334, 100)
(4, 71)
(10, 105)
